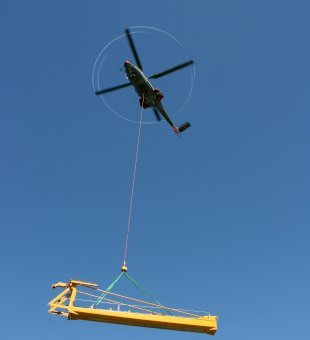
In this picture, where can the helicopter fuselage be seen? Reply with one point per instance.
(149, 96)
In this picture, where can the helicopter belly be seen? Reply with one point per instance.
(149, 96)
(142, 87)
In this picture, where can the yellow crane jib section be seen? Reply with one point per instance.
(65, 304)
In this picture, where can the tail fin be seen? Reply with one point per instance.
(184, 126)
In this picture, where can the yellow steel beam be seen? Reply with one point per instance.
(204, 324)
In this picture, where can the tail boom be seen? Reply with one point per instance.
(181, 128)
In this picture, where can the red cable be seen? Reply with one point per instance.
(133, 182)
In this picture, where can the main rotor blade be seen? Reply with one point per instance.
(170, 70)
(133, 49)
(157, 115)
(110, 89)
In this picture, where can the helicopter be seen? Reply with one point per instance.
(150, 97)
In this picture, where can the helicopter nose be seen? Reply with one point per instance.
(126, 63)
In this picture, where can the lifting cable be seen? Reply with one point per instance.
(149, 297)
(124, 268)
(133, 185)
(102, 297)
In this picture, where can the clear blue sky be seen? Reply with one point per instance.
(221, 216)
